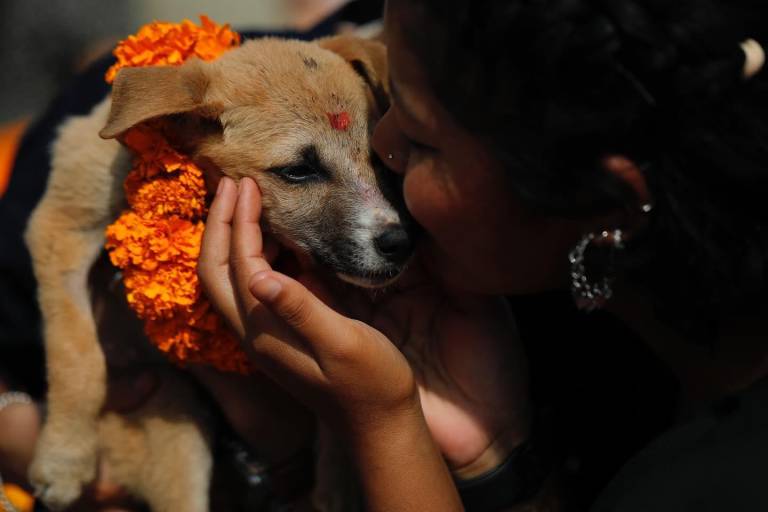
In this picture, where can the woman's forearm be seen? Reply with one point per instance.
(399, 466)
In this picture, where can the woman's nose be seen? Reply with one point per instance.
(389, 144)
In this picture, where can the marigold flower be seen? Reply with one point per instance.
(171, 44)
(156, 242)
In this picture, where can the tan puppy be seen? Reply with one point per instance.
(261, 110)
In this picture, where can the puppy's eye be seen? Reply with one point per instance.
(298, 173)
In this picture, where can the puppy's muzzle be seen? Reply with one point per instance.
(394, 244)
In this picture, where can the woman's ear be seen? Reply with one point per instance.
(629, 173)
(368, 58)
(632, 218)
(140, 94)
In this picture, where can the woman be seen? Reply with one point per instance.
(615, 148)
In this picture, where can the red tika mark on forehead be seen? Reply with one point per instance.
(339, 121)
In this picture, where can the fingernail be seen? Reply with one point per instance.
(264, 287)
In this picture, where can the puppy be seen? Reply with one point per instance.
(264, 111)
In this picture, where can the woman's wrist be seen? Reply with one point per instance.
(373, 431)
(399, 465)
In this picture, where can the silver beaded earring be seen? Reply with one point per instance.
(590, 295)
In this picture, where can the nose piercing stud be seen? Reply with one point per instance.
(390, 156)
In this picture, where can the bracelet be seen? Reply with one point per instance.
(517, 479)
(13, 398)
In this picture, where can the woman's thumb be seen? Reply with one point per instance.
(296, 306)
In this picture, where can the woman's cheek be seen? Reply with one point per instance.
(423, 198)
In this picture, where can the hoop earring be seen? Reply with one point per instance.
(591, 295)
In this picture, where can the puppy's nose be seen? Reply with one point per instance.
(394, 244)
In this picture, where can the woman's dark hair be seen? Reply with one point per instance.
(555, 85)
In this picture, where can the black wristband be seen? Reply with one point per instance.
(516, 480)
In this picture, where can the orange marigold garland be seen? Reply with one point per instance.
(156, 242)
(171, 44)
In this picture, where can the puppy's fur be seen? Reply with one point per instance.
(260, 111)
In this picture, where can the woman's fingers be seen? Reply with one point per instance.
(326, 332)
(275, 346)
(213, 266)
(246, 254)
(214, 250)
(216, 242)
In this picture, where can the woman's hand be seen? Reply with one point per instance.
(341, 368)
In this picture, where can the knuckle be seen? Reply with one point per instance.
(240, 269)
(347, 348)
(296, 312)
(240, 260)
(345, 352)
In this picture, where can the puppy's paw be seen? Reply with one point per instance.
(60, 469)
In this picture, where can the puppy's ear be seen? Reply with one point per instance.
(140, 94)
(369, 60)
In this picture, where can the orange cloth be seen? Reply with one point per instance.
(10, 136)
(18, 498)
